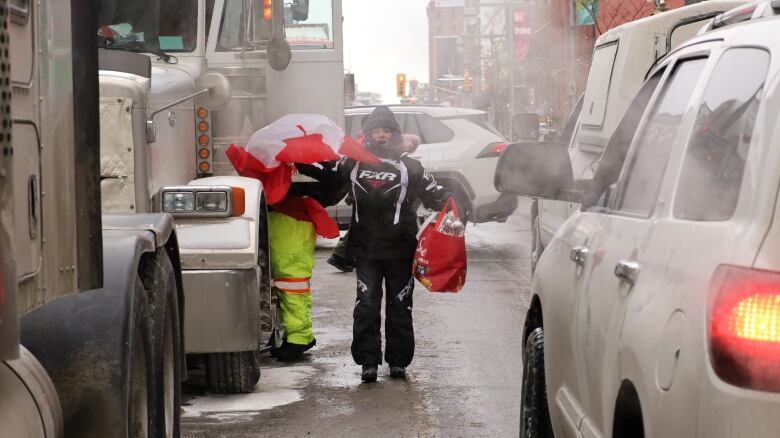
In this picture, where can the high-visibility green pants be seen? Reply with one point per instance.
(292, 263)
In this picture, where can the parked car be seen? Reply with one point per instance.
(655, 309)
(621, 60)
(458, 146)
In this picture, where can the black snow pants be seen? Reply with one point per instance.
(399, 333)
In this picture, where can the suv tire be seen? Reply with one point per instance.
(534, 413)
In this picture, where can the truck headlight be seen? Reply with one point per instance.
(213, 202)
(178, 202)
(201, 201)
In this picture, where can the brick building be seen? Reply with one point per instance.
(613, 13)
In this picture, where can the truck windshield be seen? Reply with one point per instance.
(312, 30)
(167, 25)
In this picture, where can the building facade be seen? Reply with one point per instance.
(445, 48)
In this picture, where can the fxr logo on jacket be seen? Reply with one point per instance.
(377, 179)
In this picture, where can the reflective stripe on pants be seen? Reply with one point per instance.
(295, 307)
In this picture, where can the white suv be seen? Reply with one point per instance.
(621, 59)
(655, 309)
(458, 146)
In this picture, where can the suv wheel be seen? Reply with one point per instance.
(534, 413)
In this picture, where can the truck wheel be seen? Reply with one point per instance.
(171, 367)
(232, 373)
(159, 280)
(140, 376)
(534, 412)
(267, 306)
(138, 404)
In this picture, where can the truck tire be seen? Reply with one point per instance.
(159, 280)
(267, 305)
(534, 412)
(97, 348)
(139, 382)
(232, 373)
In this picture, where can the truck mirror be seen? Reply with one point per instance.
(219, 90)
(279, 53)
(537, 169)
(525, 127)
(300, 10)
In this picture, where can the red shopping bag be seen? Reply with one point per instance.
(440, 259)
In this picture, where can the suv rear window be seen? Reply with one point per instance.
(433, 131)
(597, 88)
(714, 162)
(481, 121)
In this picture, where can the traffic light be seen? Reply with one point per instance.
(400, 85)
(466, 82)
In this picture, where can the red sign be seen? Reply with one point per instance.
(521, 28)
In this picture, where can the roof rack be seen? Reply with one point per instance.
(398, 104)
(755, 10)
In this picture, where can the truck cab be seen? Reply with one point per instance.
(180, 81)
(90, 304)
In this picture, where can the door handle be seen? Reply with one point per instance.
(627, 270)
(579, 254)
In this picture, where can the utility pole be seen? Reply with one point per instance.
(510, 53)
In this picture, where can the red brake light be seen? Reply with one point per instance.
(492, 150)
(744, 327)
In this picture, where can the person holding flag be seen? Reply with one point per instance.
(382, 238)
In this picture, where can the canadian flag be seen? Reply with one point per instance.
(294, 138)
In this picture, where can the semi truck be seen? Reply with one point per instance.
(181, 80)
(91, 304)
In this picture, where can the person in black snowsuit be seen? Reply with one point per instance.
(382, 238)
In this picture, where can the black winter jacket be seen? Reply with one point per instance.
(386, 198)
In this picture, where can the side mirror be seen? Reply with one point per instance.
(525, 127)
(279, 53)
(538, 169)
(300, 10)
(219, 90)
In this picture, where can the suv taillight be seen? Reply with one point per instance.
(492, 150)
(744, 327)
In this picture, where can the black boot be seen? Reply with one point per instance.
(369, 373)
(397, 372)
(290, 352)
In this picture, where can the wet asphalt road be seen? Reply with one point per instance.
(464, 380)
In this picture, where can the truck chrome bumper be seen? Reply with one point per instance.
(221, 310)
